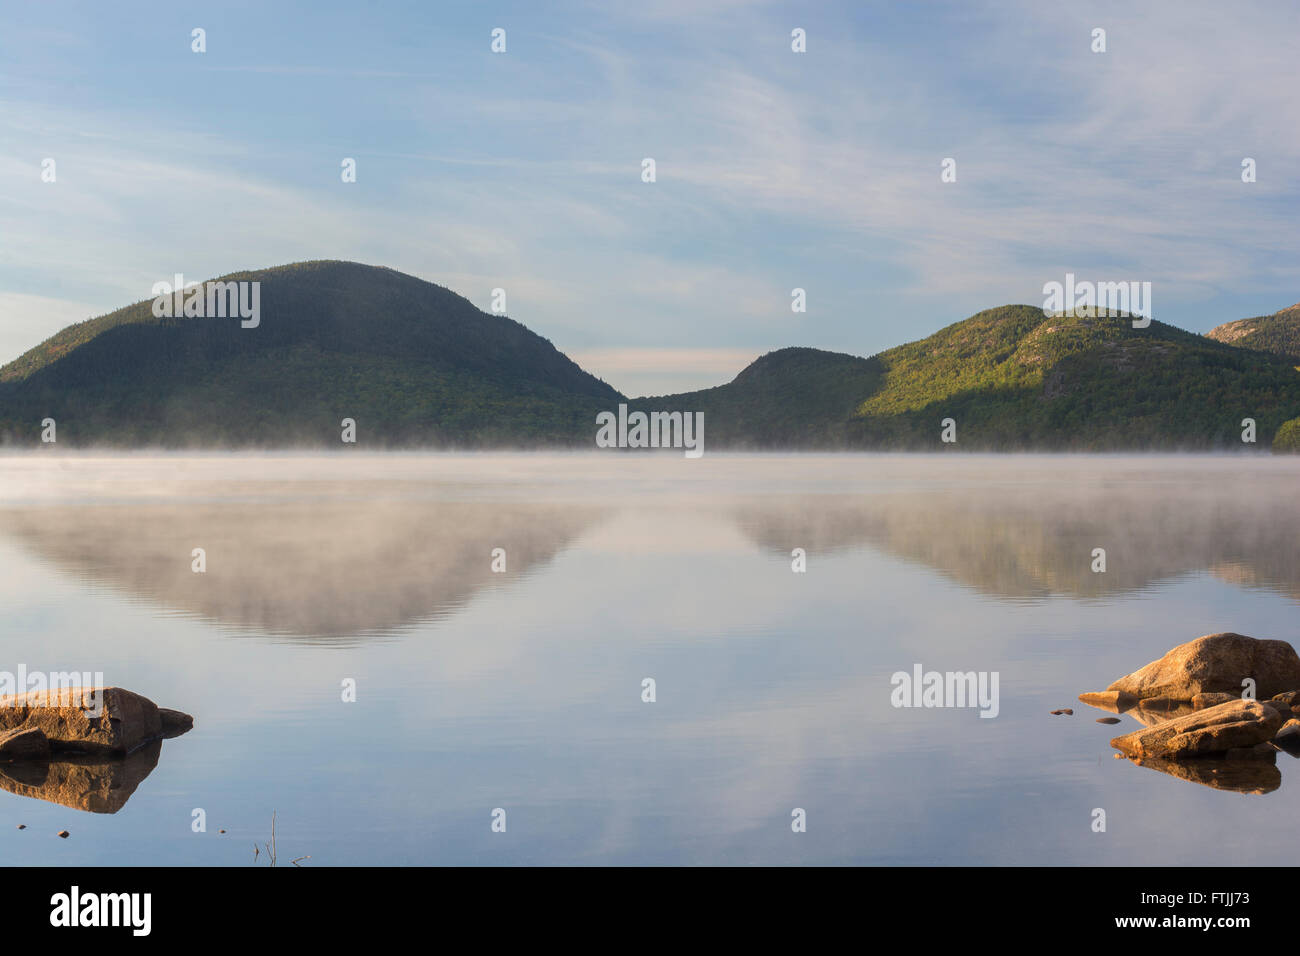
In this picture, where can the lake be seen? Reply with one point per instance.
(521, 689)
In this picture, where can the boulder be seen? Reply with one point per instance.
(1289, 745)
(89, 720)
(1215, 730)
(1291, 698)
(174, 723)
(24, 742)
(1112, 700)
(1216, 663)
(1280, 707)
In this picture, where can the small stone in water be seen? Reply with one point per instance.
(1108, 720)
(64, 834)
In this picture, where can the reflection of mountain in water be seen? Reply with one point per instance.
(93, 784)
(331, 561)
(1038, 540)
(327, 570)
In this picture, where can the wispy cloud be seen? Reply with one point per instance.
(775, 169)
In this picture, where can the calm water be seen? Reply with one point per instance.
(522, 690)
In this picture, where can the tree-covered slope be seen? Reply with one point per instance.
(1278, 333)
(410, 361)
(790, 398)
(1012, 378)
(415, 364)
(1287, 439)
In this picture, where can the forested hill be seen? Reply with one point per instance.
(409, 361)
(414, 364)
(1278, 333)
(1010, 378)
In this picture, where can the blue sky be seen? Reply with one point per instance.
(775, 170)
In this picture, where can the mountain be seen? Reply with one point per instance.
(791, 398)
(1011, 378)
(417, 365)
(1278, 333)
(409, 361)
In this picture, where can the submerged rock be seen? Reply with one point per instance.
(1216, 663)
(1108, 720)
(108, 720)
(1215, 730)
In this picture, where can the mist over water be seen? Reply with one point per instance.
(522, 689)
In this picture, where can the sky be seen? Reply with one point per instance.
(775, 169)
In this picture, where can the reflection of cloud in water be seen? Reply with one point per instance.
(328, 570)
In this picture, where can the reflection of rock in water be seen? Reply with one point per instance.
(325, 569)
(1148, 717)
(1038, 540)
(1242, 776)
(93, 784)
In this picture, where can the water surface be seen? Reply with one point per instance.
(522, 690)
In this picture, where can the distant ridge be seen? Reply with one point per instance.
(1278, 333)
